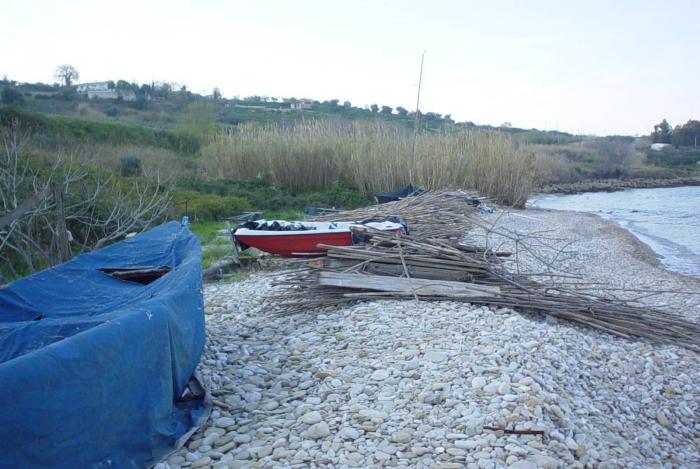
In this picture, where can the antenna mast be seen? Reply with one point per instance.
(412, 172)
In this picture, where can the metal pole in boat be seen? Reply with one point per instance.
(412, 172)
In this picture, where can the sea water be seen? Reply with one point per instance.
(666, 219)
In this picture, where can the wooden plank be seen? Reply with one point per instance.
(417, 286)
(397, 270)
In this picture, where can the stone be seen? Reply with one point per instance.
(435, 357)
(264, 451)
(370, 414)
(492, 387)
(279, 453)
(545, 462)
(271, 405)
(465, 444)
(381, 456)
(227, 447)
(311, 418)
(316, 431)
(458, 452)
(348, 433)
(661, 418)
(201, 462)
(478, 382)
(242, 438)
(523, 464)
(224, 422)
(380, 375)
(401, 436)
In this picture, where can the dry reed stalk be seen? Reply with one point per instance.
(372, 156)
(429, 255)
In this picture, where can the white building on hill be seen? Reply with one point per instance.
(104, 90)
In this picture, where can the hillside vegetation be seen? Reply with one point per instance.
(209, 158)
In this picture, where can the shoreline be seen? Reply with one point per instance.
(615, 185)
(422, 384)
(609, 253)
(666, 252)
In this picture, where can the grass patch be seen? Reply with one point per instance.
(206, 230)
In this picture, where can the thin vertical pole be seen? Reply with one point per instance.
(63, 247)
(412, 173)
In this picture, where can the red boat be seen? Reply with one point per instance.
(301, 238)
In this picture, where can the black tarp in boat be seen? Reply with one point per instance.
(407, 191)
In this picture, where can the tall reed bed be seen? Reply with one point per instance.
(372, 156)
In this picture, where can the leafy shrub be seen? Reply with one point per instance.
(11, 96)
(130, 166)
(210, 206)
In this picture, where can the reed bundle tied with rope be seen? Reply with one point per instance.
(435, 266)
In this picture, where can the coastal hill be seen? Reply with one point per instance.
(162, 151)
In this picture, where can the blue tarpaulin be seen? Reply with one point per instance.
(93, 367)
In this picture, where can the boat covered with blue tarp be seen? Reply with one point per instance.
(97, 355)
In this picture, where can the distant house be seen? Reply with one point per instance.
(104, 90)
(660, 146)
(301, 105)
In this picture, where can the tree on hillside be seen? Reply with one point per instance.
(67, 74)
(402, 111)
(386, 109)
(662, 132)
(347, 104)
(216, 94)
(687, 135)
(374, 108)
(11, 96)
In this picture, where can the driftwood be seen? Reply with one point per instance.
(412, 286)
(434, 266)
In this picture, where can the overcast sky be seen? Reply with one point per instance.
(590, 66)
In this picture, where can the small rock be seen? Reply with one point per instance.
(201, 462)
(380, 375)
(663, 420)
(271, 405)
(478, 382)
(402, 436)
(316, 431)
(523, 464)
(372, 414)
(465, 444)
(224, 422)
(348, 433)
(435, 357)
(311, 418)
(381, 456)
(455, 452)
(545, 462)
(264, 451)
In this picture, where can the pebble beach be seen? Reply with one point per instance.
(435, 384)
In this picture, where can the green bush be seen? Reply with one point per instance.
(11, 96)
(210, 206)
(130, 166)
